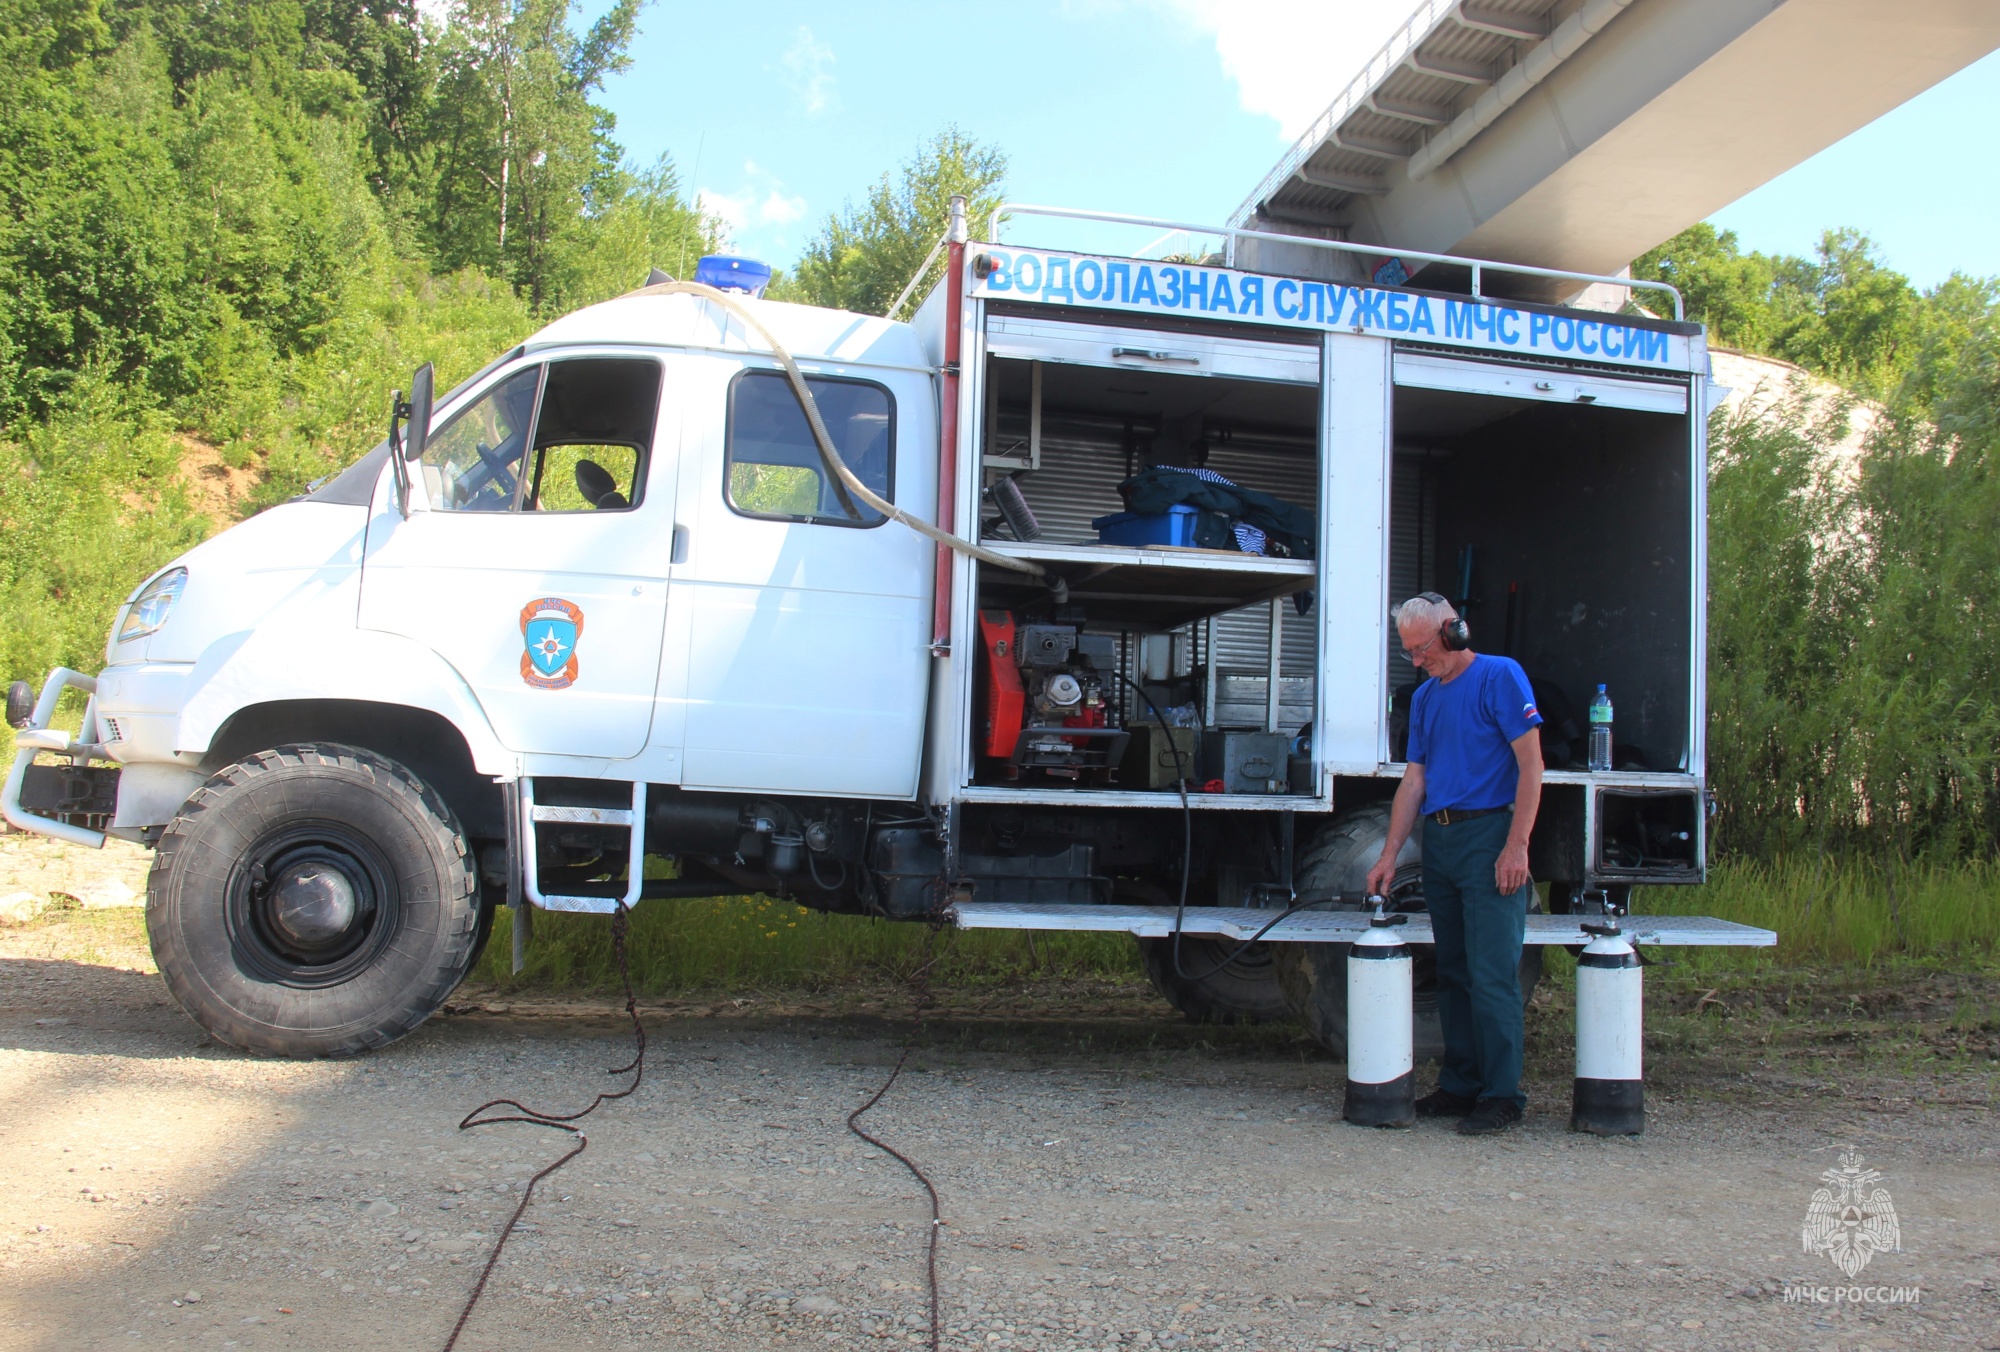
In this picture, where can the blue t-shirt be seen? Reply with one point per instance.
(1461, 733)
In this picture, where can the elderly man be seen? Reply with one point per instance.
(1475, 773)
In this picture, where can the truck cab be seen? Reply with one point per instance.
(652, 585)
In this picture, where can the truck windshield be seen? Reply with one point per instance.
(472, 463)
(355, 485)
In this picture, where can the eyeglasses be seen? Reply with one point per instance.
(1417, 654)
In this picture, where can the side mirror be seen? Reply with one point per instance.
(409, 430)
(418, 431)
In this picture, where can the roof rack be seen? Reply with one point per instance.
(1229, 234)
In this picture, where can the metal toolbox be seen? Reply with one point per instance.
(1247, 762)
(1150, 760)
(1240, 699)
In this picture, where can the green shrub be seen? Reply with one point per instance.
(91, 501)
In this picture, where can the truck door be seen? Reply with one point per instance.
(536, 557)
(804, 629)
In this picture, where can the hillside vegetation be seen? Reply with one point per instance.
(1854, 605)
(229, 229)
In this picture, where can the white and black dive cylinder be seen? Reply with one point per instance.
(1381, 1069)
(1610, 1025)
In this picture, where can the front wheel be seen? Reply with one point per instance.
(313, 900)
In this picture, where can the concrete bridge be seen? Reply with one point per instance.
(1578, 134)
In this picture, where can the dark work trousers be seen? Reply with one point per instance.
(1478, 934)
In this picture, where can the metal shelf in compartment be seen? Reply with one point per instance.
(1113, 796)
(1151, 589)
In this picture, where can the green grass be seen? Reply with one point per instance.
(1849, 913)
(1829, 914)
(677, 947)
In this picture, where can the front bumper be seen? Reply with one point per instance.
(37, 737)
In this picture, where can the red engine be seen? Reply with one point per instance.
(1046, 711)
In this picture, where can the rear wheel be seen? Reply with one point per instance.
(1241, 991)
(313, 900)
(1313, 977)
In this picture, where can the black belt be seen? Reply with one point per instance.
(1445, 816)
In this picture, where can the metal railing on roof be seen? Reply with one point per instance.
(1229, 234)
(1394, 52)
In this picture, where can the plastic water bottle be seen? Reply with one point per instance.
(1600, 731)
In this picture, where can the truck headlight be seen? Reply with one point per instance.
(149, 609)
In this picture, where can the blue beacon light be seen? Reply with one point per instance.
(727, 272)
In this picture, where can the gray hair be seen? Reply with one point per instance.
(1421, 612)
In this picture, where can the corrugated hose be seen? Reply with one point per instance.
(847, 485)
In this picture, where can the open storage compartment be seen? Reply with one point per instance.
(1648, 835)
(1555, 510)
(1173, 613)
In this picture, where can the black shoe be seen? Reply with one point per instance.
(1444, 1103)
(1489, 1116)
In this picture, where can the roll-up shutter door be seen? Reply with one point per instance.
(1191, 354)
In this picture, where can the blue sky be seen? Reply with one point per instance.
(779, 112)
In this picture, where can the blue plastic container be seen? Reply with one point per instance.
(1175, 526)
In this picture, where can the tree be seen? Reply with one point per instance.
(646, 223)
(863, 256)
(524, 156)
(1731, 292)
(92, 259)
(1841, 313)
(1854, 609)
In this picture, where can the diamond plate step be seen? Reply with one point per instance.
(1325, 927)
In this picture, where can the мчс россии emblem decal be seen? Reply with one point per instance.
(550, 629)
(1850, 1220)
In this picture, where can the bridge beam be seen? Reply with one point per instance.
(1671, 111)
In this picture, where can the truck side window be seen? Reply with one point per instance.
(774, 464)
(591, 439)
(473, 462)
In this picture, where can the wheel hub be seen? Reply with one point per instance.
(314, 904)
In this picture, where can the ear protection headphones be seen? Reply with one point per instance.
(1456, 635)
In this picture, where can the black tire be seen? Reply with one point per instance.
(1313, 977)
(1244, 991)
(370, 921)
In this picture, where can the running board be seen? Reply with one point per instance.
(633, 820)
(1335, 927)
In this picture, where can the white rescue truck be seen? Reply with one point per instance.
(611, 602)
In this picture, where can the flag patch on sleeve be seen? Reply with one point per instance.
(1529, 710)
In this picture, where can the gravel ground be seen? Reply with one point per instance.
(1116, 1182)
(34, 870)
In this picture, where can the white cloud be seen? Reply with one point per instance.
(732, 210)
(758, 206)
(1290, 58)
(779, 209)
(808, 66)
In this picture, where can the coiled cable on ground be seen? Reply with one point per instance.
(636, 1068)
(937, 1222)
(534, 1117)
